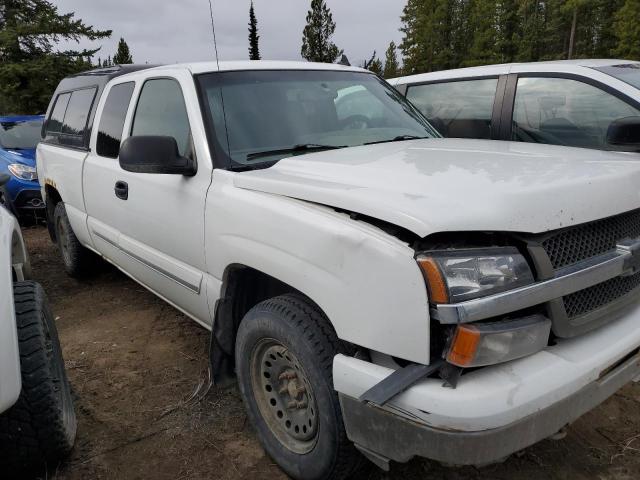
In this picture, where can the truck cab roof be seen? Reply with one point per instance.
(196, 68)
(96, 78)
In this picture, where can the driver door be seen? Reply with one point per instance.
(152, 225)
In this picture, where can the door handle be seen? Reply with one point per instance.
(122, 190)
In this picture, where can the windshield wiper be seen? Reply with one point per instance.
(304, 147)
(399, 138)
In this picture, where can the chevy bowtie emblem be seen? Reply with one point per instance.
(630, 247)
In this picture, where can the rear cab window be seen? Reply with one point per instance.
(67, 123)
(460, 109)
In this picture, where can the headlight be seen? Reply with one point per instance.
(23, 172)
(454, 276)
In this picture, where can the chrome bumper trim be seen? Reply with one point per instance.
(624, 260)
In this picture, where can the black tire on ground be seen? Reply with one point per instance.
(40, 428)
(284, 355)
(6, 202)
(76, 258)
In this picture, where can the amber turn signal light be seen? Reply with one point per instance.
(438, 292)
(464, 346)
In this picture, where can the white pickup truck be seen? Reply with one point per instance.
(369, 284)
(37, 420)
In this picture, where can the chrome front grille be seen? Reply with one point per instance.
(592, 298)
(584, 241)
(574, 244)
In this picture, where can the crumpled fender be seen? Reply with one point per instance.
(365, 280)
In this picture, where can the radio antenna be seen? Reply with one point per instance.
(213, 30)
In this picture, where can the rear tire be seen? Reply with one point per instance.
(40, 428)
(284, 358)
(76, 258)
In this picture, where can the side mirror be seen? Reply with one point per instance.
(154, 154)
(4, 178)
(624, 134)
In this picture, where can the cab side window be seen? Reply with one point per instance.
(54, 123)
(563, 111)
(460, 109)
(112, 120)
(67, 124)
(75, 118)
(161, 111)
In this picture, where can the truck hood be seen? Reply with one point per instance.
(437, 185)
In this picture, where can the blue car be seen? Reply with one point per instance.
(19, 136)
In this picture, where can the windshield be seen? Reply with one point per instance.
(263, 116)
(20, 135)
(628, 73)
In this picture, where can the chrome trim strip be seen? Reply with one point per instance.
(622, 261)
(161, 271)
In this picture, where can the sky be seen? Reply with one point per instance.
(171, 31)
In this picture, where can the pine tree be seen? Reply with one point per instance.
(484, 25)
(373, 64)
(413, 46)
(376, 67)
(532, 31)
(555, 20)
(507, 30)
(391, 67)
(627, 30)
(575, 9)
(602, 30)
(30, 66)
(435, 34)
(254, 50)
(442, 34)
(419, 45)
(316, 36)
(122, 55)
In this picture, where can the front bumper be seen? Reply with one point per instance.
(23, 198)
(29, 200)
(384, 436)
(494, 411)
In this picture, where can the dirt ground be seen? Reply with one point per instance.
(137, 367)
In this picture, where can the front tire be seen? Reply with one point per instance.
(76, 258)
(284, 357)
(40, 428)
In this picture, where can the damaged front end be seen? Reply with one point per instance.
(507, 310)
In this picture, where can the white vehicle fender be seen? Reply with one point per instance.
(366, 281)
(12, 250)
